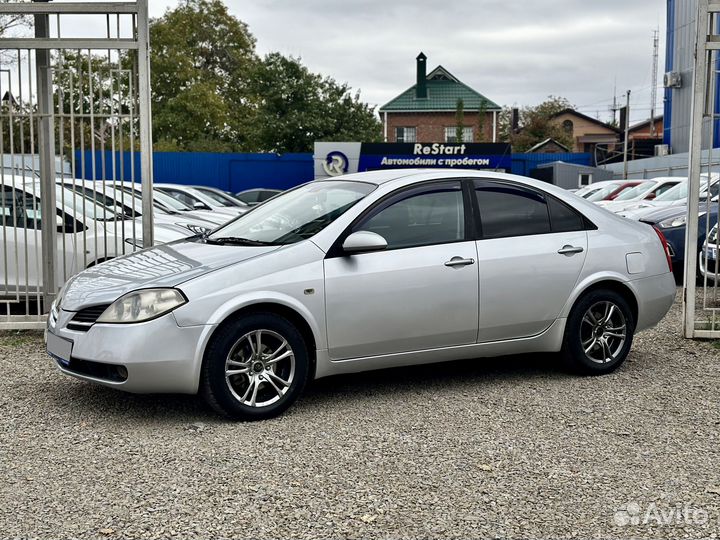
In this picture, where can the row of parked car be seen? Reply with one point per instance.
(662, 202)
(99, 220)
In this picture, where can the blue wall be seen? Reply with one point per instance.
(231, 172)
(236, 172)
(522, 164)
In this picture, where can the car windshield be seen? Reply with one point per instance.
(295, 215)
(83, 205)
(637, 191)
(223, 200)
(602, 193)
(170, 202)
(675, 193)
(587, 191)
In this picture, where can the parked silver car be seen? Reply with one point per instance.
(362, 272)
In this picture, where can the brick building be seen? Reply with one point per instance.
(426, 112)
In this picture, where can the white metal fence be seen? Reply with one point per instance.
(62, 100)
(701, 296)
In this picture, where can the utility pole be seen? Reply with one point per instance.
(627, 133)
(653, 93)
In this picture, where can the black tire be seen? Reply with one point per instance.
(224, 394)
(578, 330)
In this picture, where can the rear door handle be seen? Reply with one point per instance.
(569, 250)
(459, 261)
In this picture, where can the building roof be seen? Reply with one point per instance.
(549, 140)
(444, 90)
(587, 119)
(645, 123)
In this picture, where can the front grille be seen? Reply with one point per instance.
(86, 317)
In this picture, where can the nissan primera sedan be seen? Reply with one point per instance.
(362, 272)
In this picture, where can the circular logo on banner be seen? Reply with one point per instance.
(335, 164)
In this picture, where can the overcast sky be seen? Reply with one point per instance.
(512, 51)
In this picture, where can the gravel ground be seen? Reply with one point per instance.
(509, 447)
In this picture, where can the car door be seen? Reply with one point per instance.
(419, 293)
(531, 250)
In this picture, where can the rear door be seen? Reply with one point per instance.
(531, 251)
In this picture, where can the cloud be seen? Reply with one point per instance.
(514, 52)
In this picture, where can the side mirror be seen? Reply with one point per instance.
(364, 242)
(651, 196)
(59, 223)
(200, 206)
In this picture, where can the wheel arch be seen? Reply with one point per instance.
(276, 308)
(612, 283)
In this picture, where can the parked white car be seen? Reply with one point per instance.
(88, 233)
(645, 191)
(708, 260)
(111, 195)
(201, 201)
(674, 196)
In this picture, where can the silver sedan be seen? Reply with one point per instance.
(362, 272)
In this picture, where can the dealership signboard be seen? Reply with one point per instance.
(334, 159)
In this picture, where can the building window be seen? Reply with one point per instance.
(405, 134)
(451, 134)
(585, 179)
(568, 126)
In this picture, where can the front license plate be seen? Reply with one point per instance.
(711, 253)
(59, 348)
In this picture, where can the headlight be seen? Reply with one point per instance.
(673, 222)
(138, 306)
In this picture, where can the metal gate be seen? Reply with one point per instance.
(63, 94)
(701, 303)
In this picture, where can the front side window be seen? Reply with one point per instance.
(294, 215)
(451, 135)
(405, 134)
(420, 217)
(634, 192)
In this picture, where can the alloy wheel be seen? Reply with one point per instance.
(603, 332)
(260, 368)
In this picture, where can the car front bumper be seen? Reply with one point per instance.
(156, 356)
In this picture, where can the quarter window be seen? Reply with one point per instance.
(563, 218)
(433, 216)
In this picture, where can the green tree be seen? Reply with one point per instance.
(200, 60)
(536, 124)
(295, 108)
(482, 113)
(459, 120)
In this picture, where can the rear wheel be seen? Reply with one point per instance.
(255, 367)
(599, 333)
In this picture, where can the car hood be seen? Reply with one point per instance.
(167, 265)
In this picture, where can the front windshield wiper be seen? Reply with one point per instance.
(237, 241)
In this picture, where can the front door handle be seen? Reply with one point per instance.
(459, 261)
(570, 250)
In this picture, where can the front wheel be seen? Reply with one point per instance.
(599, 333)
(255, 367)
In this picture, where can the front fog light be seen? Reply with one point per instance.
(138, 306)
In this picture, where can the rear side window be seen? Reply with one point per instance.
(507, 210)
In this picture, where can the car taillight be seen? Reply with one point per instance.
(665, 246)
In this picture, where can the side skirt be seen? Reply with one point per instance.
(548, 341)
